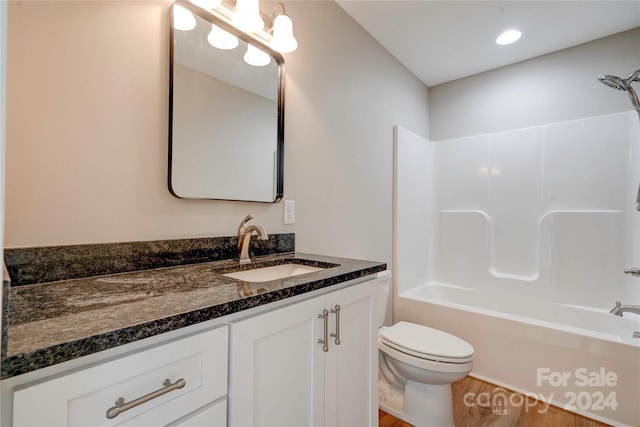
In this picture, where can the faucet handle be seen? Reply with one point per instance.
(616, 310)
(633, 271)
(241, 228)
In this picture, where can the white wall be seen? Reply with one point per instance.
(343, 99)
(557, 87)
(527, 97)
(548, 210)
(87, 131)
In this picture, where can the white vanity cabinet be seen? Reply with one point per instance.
(189, 376)
(263, 366)
(280, 374)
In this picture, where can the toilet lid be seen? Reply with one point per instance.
(427, 343)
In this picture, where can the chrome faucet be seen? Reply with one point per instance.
(244, 237)
(634, 271)
(619, 309)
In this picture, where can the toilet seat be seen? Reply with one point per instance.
(425, 364)
(426, 343)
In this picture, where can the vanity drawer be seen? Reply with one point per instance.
(84, 397)
(214, 415)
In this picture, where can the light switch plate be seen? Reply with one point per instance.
(289, 214)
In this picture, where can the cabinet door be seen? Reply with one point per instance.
(276, 367)
(351, 368)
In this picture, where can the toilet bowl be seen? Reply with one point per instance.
(417, 365)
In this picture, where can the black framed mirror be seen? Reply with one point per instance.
(226, 116)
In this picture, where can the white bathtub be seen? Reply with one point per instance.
(582, 359)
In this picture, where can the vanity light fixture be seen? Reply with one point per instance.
(508, 37)
(256, 57)
(207, 4)
(282, 39)
(247, 16)
(183, 19)
(221, 39)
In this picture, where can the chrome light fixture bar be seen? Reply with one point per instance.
(247, 18)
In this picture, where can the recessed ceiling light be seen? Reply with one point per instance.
(508, 37)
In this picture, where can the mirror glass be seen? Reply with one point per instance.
(226, 121)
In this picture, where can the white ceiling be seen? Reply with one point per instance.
(441, 41)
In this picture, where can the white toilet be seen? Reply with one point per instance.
(417, 365)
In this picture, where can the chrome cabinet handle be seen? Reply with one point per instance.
(325, 341)
(120, 406)
(336, 310)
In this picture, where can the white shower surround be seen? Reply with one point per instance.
(517, 241)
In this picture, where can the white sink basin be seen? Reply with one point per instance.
(273, 272)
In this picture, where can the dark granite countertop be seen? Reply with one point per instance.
(53, 322)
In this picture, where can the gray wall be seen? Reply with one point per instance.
(556, 87)
(87, 131)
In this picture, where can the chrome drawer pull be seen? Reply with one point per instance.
(325, 341)
(337, 334)
(120, 406)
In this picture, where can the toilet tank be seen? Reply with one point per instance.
(385, 299)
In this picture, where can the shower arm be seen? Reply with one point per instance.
(635, 77)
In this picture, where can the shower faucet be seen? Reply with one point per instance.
(633, 271)
(619, 309)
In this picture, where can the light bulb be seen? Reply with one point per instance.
(256, 57)
(282, 39)
(183, 19)
(221, 39)
(247, 16)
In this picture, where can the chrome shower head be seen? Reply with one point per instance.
(618, 83)
(613, 82)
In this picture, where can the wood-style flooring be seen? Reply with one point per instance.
(482, 414)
